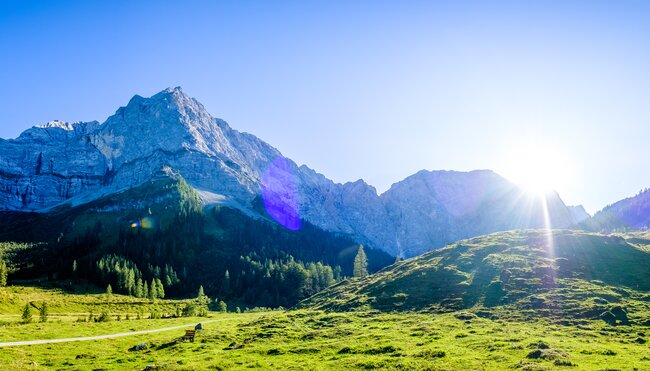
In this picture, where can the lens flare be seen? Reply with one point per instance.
(280, 193)
(148, 222)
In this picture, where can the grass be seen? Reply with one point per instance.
(355, 340)
(565, 275)
(65, 304)
(496, 302)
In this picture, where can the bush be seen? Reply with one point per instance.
(222, 306)
(43, 312)
(608, 317)
(104, 317)
(190, 310)
(27, 313)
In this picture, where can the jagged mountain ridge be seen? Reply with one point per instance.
(59, 162)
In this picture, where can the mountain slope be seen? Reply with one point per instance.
(62, 163)
(458, 205)
(161, 230)
(632, 213)
(577, 275)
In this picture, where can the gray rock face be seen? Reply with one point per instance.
(74, 163)
(579, 213)
(434, 208)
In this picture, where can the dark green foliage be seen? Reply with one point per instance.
(160, 289)
(27, 313)
(431, 354)
(564, 362)
(190, 310)
(153, 290)
(124, 275)
(43, 312)
(225, 284)
(222, 306)
(242, 259)
(3, 273)
(283, 282)
(104, 316)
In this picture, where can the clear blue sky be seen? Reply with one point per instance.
(358, 89)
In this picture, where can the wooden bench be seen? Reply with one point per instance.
(189, 335)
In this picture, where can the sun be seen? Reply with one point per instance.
(537, 167)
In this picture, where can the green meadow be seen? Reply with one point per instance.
(318, 340)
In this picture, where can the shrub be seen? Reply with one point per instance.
(43, 312)
(608, 317)
(27, 313)
(104, 317)
(190, 310)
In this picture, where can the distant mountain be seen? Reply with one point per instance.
(434, 208)
(566, 275)
(632, 213)
(59, 164)
(578, 213)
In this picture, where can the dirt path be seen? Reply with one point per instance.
(109, 336)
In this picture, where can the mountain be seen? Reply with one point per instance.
(562, 274)
(578, 213)
(160, 230)
(434, 208)
(632, 213)
(70, 164)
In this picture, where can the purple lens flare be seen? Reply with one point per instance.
(280, 193)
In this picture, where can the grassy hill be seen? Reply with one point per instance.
(513, 302)
(566, 275)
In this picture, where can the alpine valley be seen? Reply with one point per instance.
(131, 218)
(128, 186)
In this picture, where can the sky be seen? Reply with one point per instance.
(375, 90)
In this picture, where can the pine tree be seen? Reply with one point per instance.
(3, 273)
(27, 314)
(43, 312)
(139, 288)
(109, 290)
(145, 290)
(360, 263)
(201, 298)
(160, 289)
(152, 290)
(223, 307)
(130, 281)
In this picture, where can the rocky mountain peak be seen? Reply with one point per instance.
(77, 163)
(56, 124)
